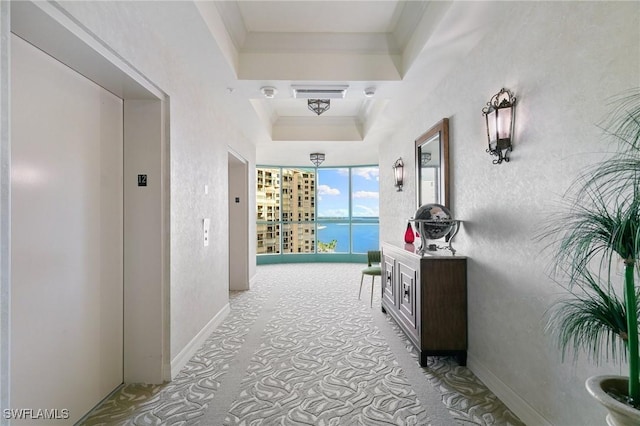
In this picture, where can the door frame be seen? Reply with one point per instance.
(238, 183)
(146, 318)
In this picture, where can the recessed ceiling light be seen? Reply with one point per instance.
(369, 92)
(269, 92)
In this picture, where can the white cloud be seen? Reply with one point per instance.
(366, 194)
(334, 213)
(368, 173)
(327, 190)
(365, 211)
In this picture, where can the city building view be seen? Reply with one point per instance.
(290, 192)
(308, 210)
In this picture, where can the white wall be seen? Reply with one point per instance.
(562, 60)
(143, 244)
(200, 133)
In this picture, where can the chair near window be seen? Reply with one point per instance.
(373, 269)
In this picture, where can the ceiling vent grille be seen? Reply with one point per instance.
(319, 92)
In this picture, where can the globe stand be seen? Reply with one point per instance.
(434, 221)
(443, 228)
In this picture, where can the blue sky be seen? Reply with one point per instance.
(333, 192)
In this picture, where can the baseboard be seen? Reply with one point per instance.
(519, 406)
(252, 281)
(192, 347)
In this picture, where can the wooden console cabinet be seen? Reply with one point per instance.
(427, 296)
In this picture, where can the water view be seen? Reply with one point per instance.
(365, 237)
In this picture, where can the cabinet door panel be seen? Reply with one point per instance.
(388, 289)
(407, 280)
(444, 305)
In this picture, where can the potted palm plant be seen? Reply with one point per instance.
(596, 237)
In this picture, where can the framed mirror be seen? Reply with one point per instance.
(432, 165)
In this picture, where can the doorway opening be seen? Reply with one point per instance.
(238, 222)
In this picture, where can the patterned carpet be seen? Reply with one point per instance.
(301, 349)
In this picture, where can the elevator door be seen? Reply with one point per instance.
(66, 237)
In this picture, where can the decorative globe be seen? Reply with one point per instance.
(440, 221)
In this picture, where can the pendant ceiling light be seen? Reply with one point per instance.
(318, 105)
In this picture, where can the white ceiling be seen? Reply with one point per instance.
(320, 16)
(389, 45)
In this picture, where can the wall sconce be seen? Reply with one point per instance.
(500, 116)
(316, 158)
(398, 173)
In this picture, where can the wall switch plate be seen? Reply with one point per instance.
(205, 230)
(206, 189)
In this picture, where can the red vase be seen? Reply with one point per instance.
(409, 234)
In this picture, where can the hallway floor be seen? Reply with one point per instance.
(300, 348)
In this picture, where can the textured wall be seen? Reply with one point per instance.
(5, 211)
(562, 60)
(168, 43)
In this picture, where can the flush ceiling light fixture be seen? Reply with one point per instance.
(425, 157)
(316, 158)
(319, 105)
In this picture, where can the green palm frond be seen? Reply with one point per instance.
(592, 319)
(616, 177)
(597, 227)
(624, 120)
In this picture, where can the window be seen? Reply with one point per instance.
(333, 211)
(365, 209)
(324, 210)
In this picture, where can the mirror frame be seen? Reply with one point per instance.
(441, 130)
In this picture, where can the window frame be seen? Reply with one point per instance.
(281, 224)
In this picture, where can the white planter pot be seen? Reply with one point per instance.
(620, 414)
